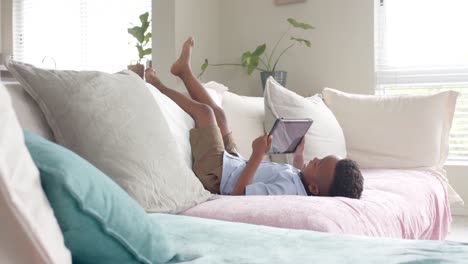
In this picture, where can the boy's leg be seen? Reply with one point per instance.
(183, 70)
(206, 139)
(201, 113)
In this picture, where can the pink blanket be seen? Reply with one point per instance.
(395, 203)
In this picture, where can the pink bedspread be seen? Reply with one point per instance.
(395, 203)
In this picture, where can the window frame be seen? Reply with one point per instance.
(436, 76)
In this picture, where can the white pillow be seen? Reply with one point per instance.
(245, 117)
(27, 111)
(113, 121)
(216, 90)
(29, 231)
(325, 136)
(406, 131)
(180, 123)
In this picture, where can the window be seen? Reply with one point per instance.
(76, 34)
(421, 47)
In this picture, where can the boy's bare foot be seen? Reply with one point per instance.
(182, 65)
(152, 78)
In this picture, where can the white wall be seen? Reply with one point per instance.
(342, 52)
(163, 38)
(200, 19)
(173, 22)
(342, 43)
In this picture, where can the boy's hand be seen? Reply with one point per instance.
(298, 156)
(261, 145)
(300, 149)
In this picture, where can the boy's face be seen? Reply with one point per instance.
(319, 173)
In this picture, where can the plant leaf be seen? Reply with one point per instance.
(301, 40)
(144, 17)
(250, 60)
(246, 58)
(147, 51)
(253, 64)
(259, 50)
(204, 65)
(144, 27)
(137, 33)
(250, 69)
(297, 24)
(140, 52)
(293, 22)
(144, 22)
(147, 38)
(203, 68)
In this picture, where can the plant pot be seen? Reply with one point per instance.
(279, 76)
(138, 69)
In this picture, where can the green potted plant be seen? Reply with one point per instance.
(143, 38)
(267, 64)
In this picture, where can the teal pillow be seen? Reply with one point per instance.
(100, 222)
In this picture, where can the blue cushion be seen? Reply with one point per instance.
(100, 222)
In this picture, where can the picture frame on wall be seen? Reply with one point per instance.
(287, 2)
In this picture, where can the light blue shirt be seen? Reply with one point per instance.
(270, 178)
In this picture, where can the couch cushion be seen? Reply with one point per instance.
(180, 123)
(407, 131)
(409, 204)
(29, 115)
(100, 222)
(245, 116)
(112, 121)
(325, 136)
(28, 228)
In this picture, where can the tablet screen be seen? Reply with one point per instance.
(287, 134)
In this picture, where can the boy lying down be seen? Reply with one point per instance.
(221, 170)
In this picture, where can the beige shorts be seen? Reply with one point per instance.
(208, 147)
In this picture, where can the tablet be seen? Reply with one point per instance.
(287, 134)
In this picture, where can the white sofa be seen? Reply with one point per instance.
(390, 206)
(400, 142)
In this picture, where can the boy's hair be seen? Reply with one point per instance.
(348, 180)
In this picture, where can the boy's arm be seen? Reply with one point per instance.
(260, 147)
(247, 174)
(298, 156)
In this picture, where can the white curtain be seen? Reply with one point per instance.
(76, 34)
(422, 47)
